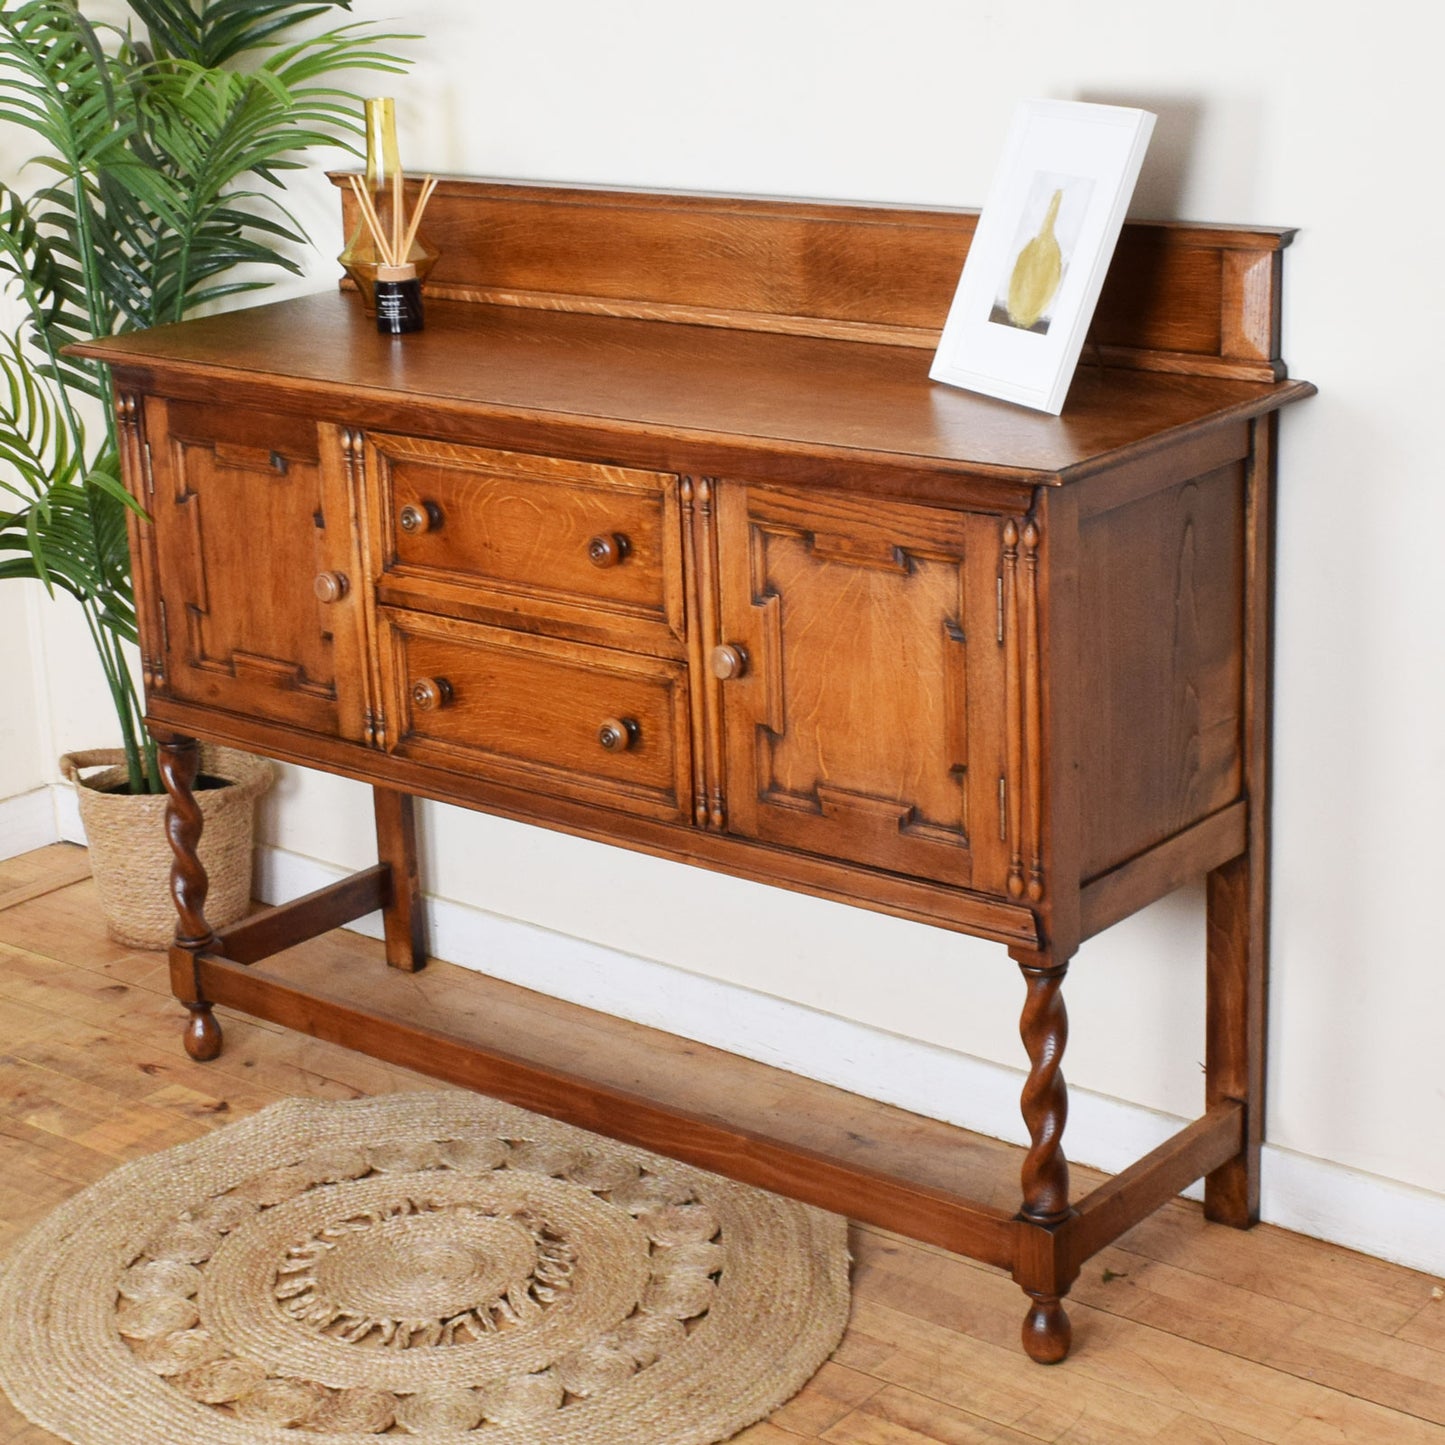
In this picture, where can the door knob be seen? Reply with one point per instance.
(330, 586)
(729, 661)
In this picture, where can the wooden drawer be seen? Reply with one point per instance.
(541, 713)
(534, 542)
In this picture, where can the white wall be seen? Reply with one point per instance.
(21, 727)
(1269, 113)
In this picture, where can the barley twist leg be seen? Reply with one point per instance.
(1044, 1027)
(179, 759)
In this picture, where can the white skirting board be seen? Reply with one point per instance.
(67, 814)
(28, 821)
(1311, 1196)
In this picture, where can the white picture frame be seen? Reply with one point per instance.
(1040, 252)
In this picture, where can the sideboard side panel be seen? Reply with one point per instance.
(1160, 643)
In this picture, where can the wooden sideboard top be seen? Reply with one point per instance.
(633, 379)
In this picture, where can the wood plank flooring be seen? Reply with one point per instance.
(1185, 1333)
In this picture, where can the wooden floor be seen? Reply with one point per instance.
(1185, 1333)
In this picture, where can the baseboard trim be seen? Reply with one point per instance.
(27, 822)
(1312, 1196)
(67, 814)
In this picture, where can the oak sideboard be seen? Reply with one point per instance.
(658, 533)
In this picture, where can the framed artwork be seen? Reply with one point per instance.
(1036, 266)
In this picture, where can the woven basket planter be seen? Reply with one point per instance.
(131, 858)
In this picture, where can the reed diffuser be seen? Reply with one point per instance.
(360, 256)
(398, 288)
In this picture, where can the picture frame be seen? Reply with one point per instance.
(1041, 249)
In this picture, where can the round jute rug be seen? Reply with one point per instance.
(435, 1265)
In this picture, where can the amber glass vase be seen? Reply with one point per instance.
(360, 256)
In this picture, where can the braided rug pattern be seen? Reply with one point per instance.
(435, 1265)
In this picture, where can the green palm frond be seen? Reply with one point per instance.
(60, 85)
(79, 536)
(161, 152)
(38, 447)
(217, 32)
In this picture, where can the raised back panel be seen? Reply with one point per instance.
(1202, 300)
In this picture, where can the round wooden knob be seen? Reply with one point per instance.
(608, 549)
(431, 693)
(330, 586)
(617, 734)
(728, 661)
(418, 518)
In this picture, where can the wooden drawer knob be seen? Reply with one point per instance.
(418, 518)
(431, 693)
(608, 549)
(729, 661)
(617, 734)
(330, 586)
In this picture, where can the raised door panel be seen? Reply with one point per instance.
(249, 510)
(867, 721)
(552, 716)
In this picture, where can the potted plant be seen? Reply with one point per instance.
(161, 151)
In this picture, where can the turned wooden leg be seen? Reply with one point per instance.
(1044, 1027)
(402, 918)
(1047, 1331)
(179, 759)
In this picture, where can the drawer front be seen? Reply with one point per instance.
(541, 713)
(536, 542)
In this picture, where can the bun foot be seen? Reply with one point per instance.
(1047, 1332)
(203, 1034)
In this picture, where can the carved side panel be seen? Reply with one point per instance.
(1161, 588)
(867, 721)
(248, 515)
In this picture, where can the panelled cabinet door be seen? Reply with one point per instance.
(257, 566)
(862, 697)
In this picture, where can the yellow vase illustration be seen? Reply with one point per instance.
(1037, 272)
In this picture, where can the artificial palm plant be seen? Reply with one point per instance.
(162, 145)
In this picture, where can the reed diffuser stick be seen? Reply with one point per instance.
(427, 187)
(369, 216)
(397, 254)
(396, 246)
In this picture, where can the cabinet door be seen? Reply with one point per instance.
(864, 719)
(250, 512)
